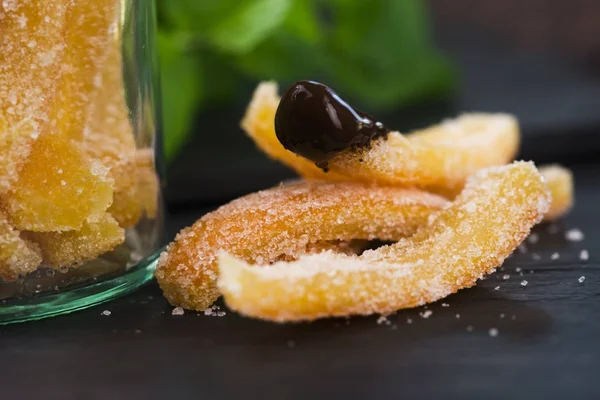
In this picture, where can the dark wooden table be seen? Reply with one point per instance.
(546, 344)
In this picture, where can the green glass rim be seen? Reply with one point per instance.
(79, 298)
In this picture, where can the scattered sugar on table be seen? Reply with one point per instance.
(574, 235)
(178, 311)
(533, 238)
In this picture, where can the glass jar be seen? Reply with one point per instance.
(80, 207)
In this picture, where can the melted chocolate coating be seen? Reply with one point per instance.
(314, 122)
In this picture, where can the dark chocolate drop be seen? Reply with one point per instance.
(314, 122)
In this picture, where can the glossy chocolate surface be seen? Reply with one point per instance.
(316, 123)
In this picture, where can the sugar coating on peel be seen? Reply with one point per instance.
(58, 188)
(73, 248)
(89, 34)
(108, 132)
(458, 246)
(351, 247)
(281, 223)
(561, 186)
(31, 48)
(127, 204)
(121, 161)
(108, 114)
(18, 256)
(442, 155)
(438, 158)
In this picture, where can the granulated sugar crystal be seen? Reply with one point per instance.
(177, 311)
(574, 235)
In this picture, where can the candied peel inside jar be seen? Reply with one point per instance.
(75, 187)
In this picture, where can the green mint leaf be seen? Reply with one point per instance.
(284, 57)
(249, 24)
(302, 22)
(194, 15)
(181, 86)
(391, 63)
(351, 21)
(295, 51)
(231, 26)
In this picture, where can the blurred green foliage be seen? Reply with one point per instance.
(378, 51)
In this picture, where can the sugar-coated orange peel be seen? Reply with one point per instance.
(458, 246)
(59, 187)
(71, 174)
(90, 34)
(32, 46)
(108, 131)
(71, 248)
(439, 158)
(284, 222)
(560, 183)
(17, 255)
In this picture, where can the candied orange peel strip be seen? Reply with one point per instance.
(18, 256)
(108, 133)
(560, 183)
(458, 246)
(127, 204)
(121, 160)
(58, 188)
(108, 114)
(31, 49)
(90, 35)
(439, 158)
(72, 248)
(284, 222)
(54, 186)
(67, 150)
